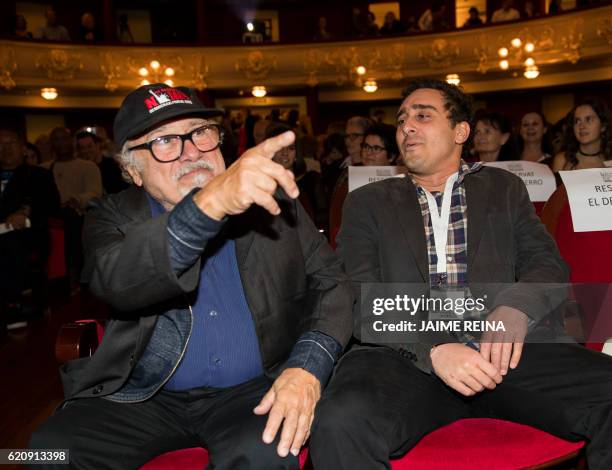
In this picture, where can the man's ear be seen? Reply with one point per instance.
(135, 174)
(504, 137)
(462, 132)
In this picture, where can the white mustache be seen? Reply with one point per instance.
(189, 167)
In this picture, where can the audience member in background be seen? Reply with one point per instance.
(493, 139)
(52, 31)
(474, 18)
(20, 28)
(434, 18)
(125, 33)
(357, 22)
(88, 28)
(107, 146)
(529, 10)
(312, 193)
(411, 25)
(322, 34)
(533, 144)
(31, 154)
(587, 137)
(88, 148)
(353, 133)
(371, 28)
(555, 135)
(43, 143)
(27, 193)
(309, 146)
(334, 153)
(391, 25)
(555, 7)
(379, 147)
(78, 181)
(505, 13)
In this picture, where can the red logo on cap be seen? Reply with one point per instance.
(163, 97)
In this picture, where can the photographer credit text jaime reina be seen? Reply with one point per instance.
(444, 315)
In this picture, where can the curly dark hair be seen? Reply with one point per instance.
(571, 144)
(457, 103)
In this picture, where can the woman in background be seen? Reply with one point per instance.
(493, 139)
(587, 138)
(533, 145)
(379, 147)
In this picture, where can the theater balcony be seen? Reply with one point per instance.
(569, 48)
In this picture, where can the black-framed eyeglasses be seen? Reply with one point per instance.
(372, 148)
(168, 148)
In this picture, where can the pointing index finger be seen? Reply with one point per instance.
(270, 146)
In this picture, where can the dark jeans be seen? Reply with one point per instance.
(379, 405)
(102, 434)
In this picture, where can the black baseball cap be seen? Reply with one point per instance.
(150, 105)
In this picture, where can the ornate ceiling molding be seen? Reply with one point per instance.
(564, 43)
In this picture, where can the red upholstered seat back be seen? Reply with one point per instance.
(588, 254)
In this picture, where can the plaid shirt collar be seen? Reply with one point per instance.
(464, 169)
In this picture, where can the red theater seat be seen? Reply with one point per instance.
(467, 444)
(589, 255)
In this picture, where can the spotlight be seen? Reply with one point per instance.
(529, 47)
(503, 52)
(259, 91)
(370, 86)
(531, 72)
(154, 64)
(48, 93)
(516, 42)
(143, 71)
(361, 70)
(504, 64)
(250, 27)
(453, 79)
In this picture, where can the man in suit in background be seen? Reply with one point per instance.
(28, 197)
(449, 225)
(229, 308)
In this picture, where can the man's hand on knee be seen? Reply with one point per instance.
(292, 399)
(464, 369)
(503, 349)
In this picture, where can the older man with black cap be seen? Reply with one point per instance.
(229, 308)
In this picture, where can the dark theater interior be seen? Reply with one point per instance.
(184, 282)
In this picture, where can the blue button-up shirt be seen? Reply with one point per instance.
(223, 349)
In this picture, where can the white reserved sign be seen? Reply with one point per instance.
(589, 193)
(538, 178)
(359, 176)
